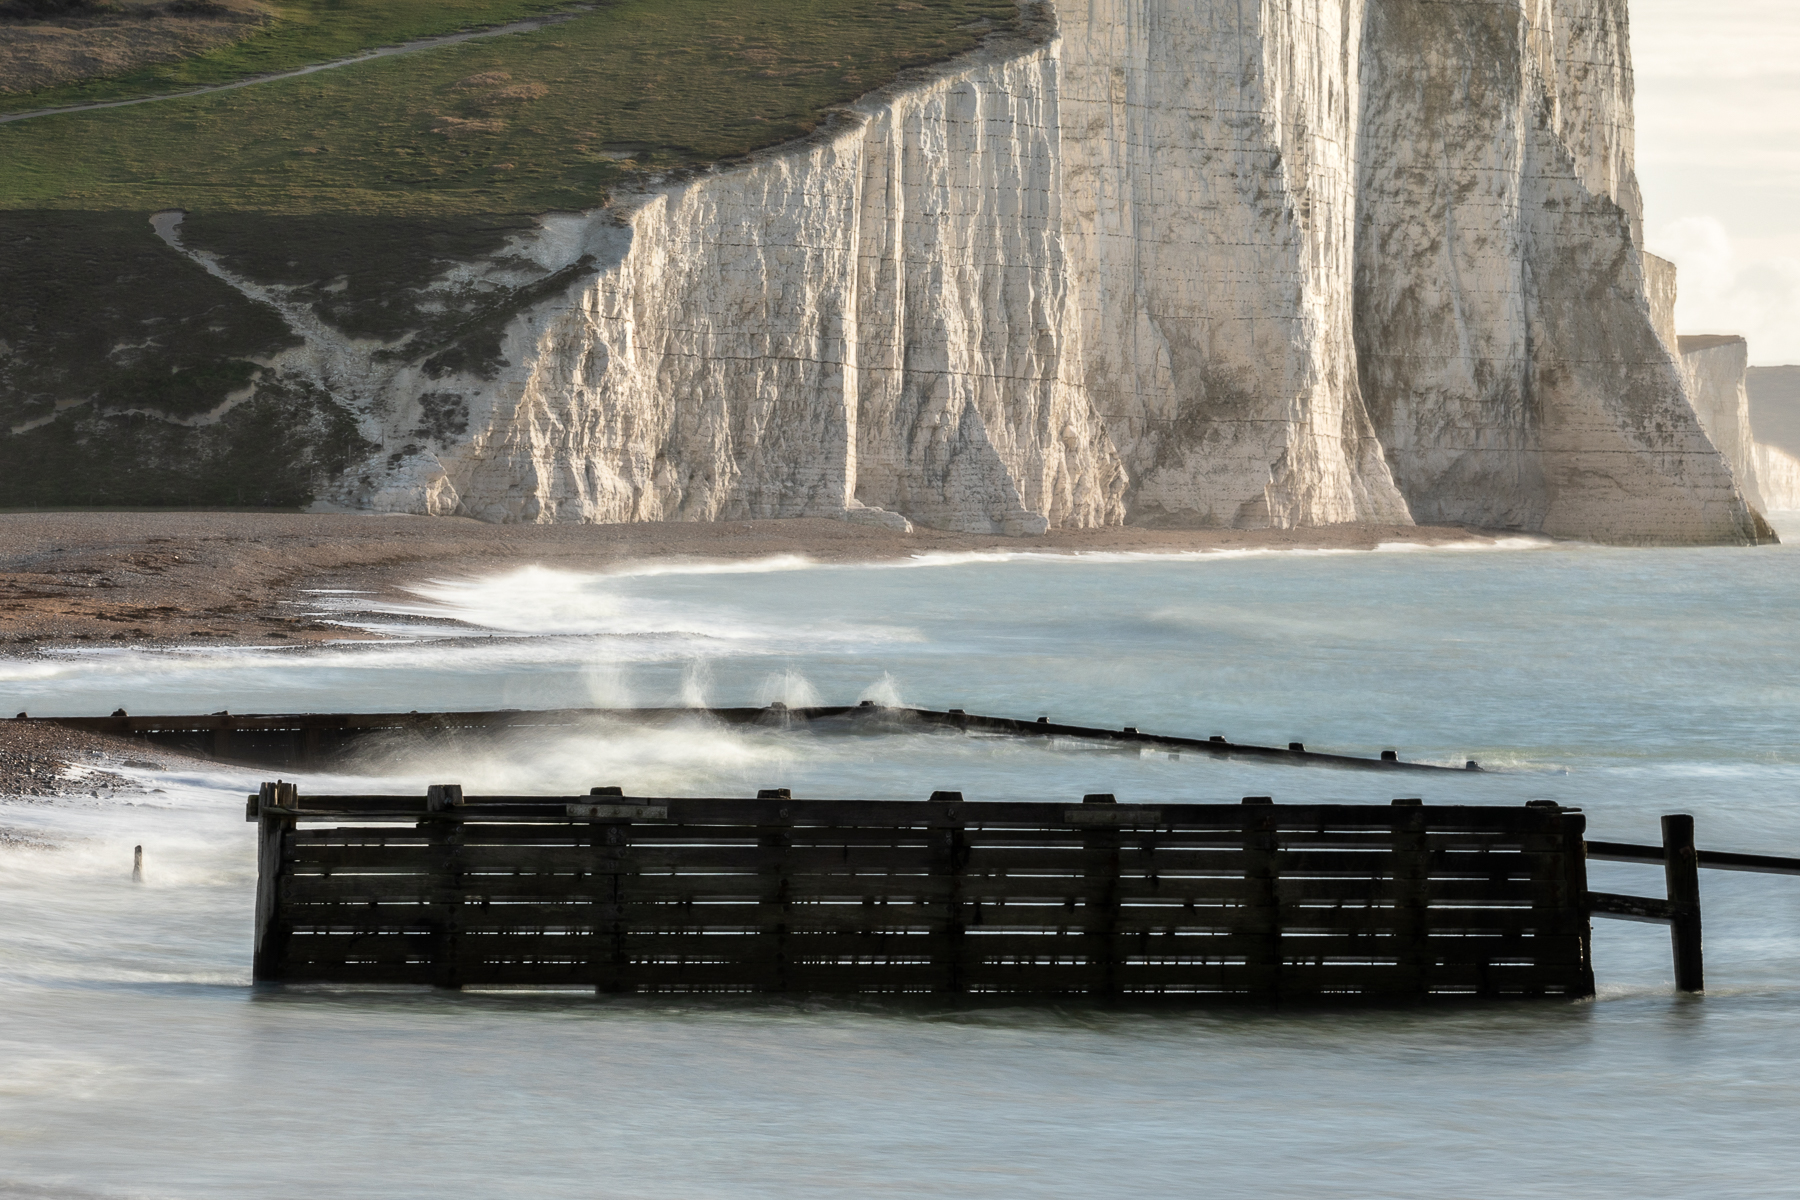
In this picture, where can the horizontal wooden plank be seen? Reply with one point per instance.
(1288, 979)
(1046, 920)
(624, 859)
(1011, 955)
(1347, 890)
(743, 811)
(1034, 838)
(699, 918)
(496, 939)
(1718, 860)
(1371, 863)
(1631, 908)
(1161, 896)
(357, 889)
(541, 859)
(420, 831)
(1291, 981)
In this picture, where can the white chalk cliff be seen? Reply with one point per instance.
(1240, 263)
(1714, 366)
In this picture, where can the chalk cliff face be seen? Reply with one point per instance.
(1504, 331)
(876, 323)
(1208, 164)
(1777, 478)
(1168, 262)
(1774, 394)
(1714, 366)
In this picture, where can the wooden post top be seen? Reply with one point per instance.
(776, 806)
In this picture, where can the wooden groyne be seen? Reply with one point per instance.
(1255, 901)
(625, 894)
(295, 740)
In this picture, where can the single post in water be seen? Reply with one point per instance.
(1681, 868)
(137, 864)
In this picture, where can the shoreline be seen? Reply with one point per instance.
(71, 579)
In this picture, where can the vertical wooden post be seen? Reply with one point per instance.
(1681, 870)
(611, 842)
(1259, 931)
(949, 854)
(772, 911)
(1548, 837)
(273, 828)
(446, 884)
(615, 893)
(1411, 878)
(1574, 894)
(1100, 901)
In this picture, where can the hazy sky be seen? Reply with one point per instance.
(1718, 155)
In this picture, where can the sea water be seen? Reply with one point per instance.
(137, 1061)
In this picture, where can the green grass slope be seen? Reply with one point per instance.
(304, 32)
(520, 123)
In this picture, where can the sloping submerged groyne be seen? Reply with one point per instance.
(309, 739)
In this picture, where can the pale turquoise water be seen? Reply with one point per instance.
(136, 1061)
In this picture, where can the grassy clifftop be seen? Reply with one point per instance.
(527, 122)
(272, 36)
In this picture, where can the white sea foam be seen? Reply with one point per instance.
(696, 684)
(788, 687)
(693, 756)
(1476, 545)
(544, 601)
(782, 563)
(884, 691)
(653, 568)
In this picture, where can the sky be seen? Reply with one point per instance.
(1718, 158)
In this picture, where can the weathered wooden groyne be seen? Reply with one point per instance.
(1256, 902)
(774, 894)
(293, 740)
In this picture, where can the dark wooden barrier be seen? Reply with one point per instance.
(1256, 901)
(291, 740)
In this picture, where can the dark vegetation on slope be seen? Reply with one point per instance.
(353, 271)
(135, 341)
(274, 451)
(351, 189)
(95, 307)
